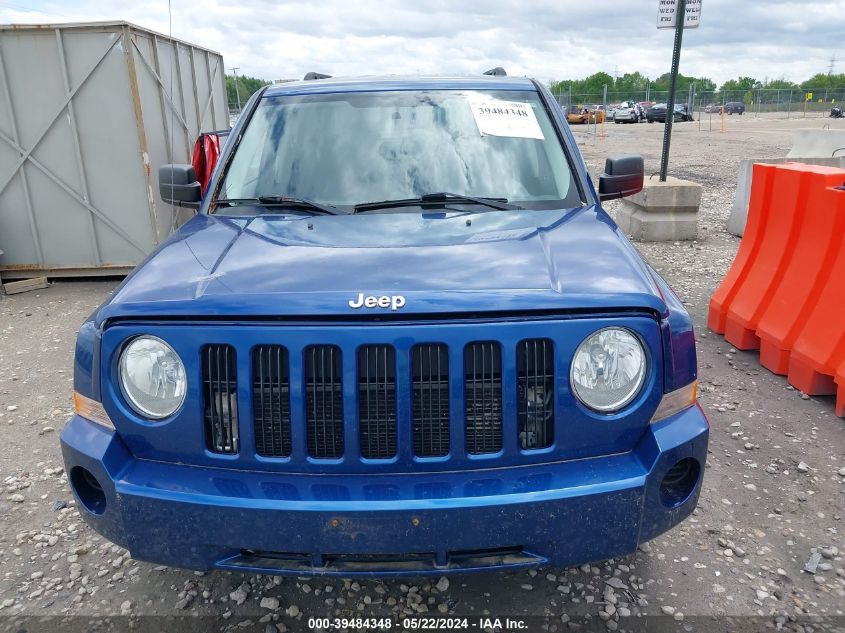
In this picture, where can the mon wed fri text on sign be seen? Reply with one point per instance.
(667, 14)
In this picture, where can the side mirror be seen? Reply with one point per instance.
(177, 184)
(623, 176)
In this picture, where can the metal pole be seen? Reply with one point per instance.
(789, 107)
(237, 92)
(604, 116)
(680, 14)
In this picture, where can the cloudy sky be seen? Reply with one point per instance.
(547, 39)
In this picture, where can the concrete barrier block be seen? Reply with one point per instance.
(816, 143)
(662, 211)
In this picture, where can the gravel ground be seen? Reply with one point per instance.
(773, 498)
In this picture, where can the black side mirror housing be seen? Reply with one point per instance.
(623, 176)
(178, 184)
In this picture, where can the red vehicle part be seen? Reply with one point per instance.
(206, 153)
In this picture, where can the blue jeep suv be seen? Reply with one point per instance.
(400, 336)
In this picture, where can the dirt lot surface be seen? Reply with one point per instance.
(774, 490)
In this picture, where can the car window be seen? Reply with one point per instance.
(345, 149)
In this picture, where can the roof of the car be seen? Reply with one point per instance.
(394, 82)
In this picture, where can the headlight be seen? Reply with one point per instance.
(152, 377)
(608, 369)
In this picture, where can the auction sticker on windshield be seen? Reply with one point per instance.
(505, 118)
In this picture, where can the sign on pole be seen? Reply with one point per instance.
(667, 14)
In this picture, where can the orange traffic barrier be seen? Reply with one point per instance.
(783, 292)
(819, 348)
(755, 227)
(813, 258)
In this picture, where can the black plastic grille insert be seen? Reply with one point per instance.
(535, 387)
(271, 401)
(430, 395)
(377, 401)
(324, 401)
(220, 390)
(483, 397)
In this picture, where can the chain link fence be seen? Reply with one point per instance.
(770, 101)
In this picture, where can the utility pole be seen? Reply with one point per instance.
(237, 92)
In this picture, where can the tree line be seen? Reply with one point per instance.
(637, 83)
(246, 86)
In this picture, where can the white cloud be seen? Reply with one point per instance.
(545, 38)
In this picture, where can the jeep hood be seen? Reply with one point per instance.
(442, 262)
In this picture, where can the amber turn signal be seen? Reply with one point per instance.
(676, 401)
(91, 410)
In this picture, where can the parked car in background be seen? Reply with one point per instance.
(658, 113)
(627, 112)
(686, 113)
(641, 111)
(400, 336)
(735, 107)
(576, 115)
(585, 114)
(713, 108)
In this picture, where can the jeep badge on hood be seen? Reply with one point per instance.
(394, 302)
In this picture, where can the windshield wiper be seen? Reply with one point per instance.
(283, 201)
(439, 197)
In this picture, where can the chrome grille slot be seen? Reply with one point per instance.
(377, 401)
(271, 401)
(430, 394)
(483, 397)
(535, 388)
(324, 401)
(220, 389)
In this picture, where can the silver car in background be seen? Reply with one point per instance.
(627, 112)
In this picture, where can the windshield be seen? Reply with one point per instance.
(346, 149)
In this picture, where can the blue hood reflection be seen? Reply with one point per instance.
(441, 262)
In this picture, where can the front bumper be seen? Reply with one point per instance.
(557, 514)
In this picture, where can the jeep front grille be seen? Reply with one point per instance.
(483, 397)
(220, 388)
(535, 390)
(377, 401)
(271, 401)
(389, 403)
(324, 401)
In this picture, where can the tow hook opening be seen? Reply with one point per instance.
(680, 482)
(88, 490)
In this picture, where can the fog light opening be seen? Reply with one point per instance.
(679, 483)
(88, 489)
